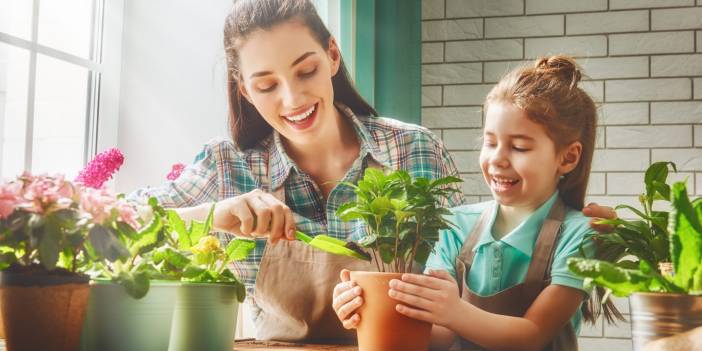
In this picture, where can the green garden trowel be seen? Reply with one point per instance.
(334, 246)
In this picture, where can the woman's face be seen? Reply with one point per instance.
(286, 74)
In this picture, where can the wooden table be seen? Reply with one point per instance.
(250, 344)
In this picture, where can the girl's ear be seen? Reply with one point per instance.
(570, 157)
(334, 56)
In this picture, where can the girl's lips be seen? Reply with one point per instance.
(305, 122)
(502, 185)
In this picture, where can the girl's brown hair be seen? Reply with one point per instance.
(246, 125)
(549, 94)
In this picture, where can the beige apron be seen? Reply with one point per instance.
(294, 289)
(515, 301)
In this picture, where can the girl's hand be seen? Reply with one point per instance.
(597, 212)
(255, 214)
(432, 298)
(347, 298)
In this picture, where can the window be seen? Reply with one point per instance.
(50, 73)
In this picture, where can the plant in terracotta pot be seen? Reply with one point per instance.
(403, 218)
(51, 232)
(655, 260)
(209, 294)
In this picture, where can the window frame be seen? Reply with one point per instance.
(103, 66)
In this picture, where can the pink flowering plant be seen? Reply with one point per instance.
(49, 224)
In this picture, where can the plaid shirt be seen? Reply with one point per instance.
(221, 171)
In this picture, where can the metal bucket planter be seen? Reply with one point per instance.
(117, 322)
(656, 315)
(204, 318)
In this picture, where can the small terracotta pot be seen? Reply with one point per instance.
(43, 312)
(382, 328)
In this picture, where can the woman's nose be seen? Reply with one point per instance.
(292, 97)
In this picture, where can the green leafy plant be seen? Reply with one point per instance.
(403, 216)
(168, 249)
(634, 252)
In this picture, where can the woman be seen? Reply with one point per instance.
(299, 127)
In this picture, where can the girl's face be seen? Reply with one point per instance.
(286, 74)
(519, 161)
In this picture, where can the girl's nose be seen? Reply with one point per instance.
(499, 158)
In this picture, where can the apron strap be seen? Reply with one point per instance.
(539, 272)
(464, 261)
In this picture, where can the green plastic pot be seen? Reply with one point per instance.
(204, 317)
(116, 321)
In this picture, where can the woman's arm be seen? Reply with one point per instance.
(435, 299)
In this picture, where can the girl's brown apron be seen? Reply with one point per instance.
(516, 300)
(294, 289)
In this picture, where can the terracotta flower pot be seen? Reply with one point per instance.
(43, 311)
(382, 328)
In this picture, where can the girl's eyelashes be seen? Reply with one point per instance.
(519, 149)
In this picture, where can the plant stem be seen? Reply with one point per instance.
(414, 247)
(377, 242)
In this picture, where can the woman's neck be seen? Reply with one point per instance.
(330, 155)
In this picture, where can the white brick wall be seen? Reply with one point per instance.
(644, 62)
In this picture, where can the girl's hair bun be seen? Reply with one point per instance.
(563, 67)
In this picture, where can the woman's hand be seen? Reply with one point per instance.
(347, 299)
(433, 298)
(255, 214)
(597, 212)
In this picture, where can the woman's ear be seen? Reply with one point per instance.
(242, 90)
(570, 157)
(334, 56)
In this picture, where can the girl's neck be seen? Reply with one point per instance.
(509, 217)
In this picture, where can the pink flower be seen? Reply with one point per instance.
(101, 168)
(10, 198)
(98, 203)
(103, 206)
(176, 170)
(46, 193)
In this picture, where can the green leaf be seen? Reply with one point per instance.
(177, 225)
(106, 244)
(381, 206)
(135, 284)
(661, 188)
(49, 245)
(239, 249)
(621, 281)
(194, 273)
(658, 171)
(445, 181)
(199, 229)
(149, 237)
(686, 237)
(127, 230)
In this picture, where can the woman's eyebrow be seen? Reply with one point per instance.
(298, 60)
(302, 57)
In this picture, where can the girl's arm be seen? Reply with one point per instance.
(435, 299)
(442, 338)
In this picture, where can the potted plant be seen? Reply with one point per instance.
(51, 233)
(403, 218)
(209, 294)
(131, 301)
(656, 260)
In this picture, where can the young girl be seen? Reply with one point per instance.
(499, 279)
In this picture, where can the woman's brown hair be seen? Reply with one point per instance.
(549, 94)
(246, 125)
